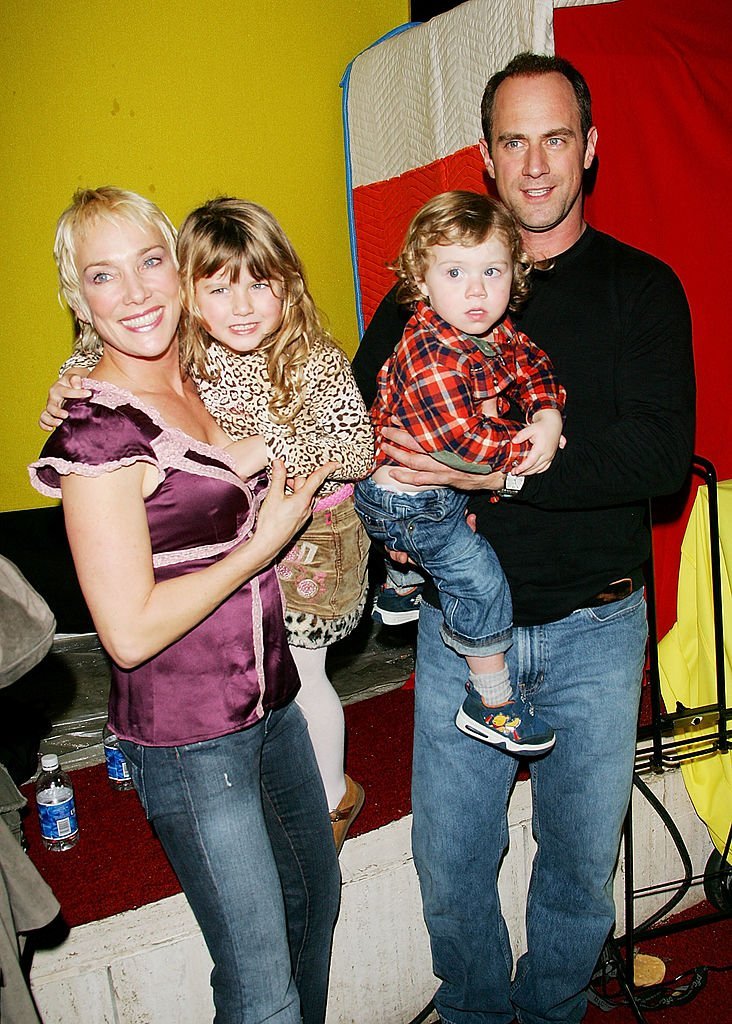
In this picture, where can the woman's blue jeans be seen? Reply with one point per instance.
(430, 527)
(244, 822)
(583, 675)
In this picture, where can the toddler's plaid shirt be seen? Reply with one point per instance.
(437, 378)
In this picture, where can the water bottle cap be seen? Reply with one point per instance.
(49, 762)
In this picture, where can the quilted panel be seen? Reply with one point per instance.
(412, 118)
(415, 97)
(383, 210)
(582, 3)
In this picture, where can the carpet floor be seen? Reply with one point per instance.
(709, 945)
(118, 863)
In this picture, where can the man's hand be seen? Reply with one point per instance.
(416, 466)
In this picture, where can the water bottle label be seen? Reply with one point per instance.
(58, 821)
(116, 765)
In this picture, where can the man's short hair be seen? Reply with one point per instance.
(530, 65)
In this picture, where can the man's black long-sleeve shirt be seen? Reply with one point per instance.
(616, 324)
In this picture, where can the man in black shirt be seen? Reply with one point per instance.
(572, 541)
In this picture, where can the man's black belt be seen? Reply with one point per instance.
(615, 591)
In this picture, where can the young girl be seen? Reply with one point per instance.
(450, 381)
(252, 340)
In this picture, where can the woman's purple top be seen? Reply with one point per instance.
(233, 666)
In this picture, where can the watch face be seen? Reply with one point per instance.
(511, 486)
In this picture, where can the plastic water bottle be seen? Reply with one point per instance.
(56, 807)
(118, 773)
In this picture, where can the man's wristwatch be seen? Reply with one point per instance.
(511, 487)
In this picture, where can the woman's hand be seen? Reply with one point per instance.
(283, 515)
(68, 386)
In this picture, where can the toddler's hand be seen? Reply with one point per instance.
(545, 434)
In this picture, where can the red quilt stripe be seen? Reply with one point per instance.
(382, 212)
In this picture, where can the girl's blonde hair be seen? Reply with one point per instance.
(88, 207)
(459, 218)
(226, 234)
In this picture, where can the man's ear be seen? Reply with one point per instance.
(590, 147)
(483, 145)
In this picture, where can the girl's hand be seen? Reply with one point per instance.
(283, 515)
(68, 386)
(545, 435)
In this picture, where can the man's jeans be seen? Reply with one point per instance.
(244, 822)
(583, 674)
(430, 527)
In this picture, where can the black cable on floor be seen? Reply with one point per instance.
(423, 1014)
(675, 992)
(681, 849)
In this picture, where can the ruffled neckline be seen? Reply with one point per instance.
(120, 396)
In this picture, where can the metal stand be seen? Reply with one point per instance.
(659, 750)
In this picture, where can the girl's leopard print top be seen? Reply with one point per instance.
(332, 425)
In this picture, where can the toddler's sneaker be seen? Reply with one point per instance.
(512, 726)
(394, 607)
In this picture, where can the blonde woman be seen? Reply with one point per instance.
(265, 366)
(173, 530)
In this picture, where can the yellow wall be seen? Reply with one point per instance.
(178, 101)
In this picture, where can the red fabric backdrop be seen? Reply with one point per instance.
(382, 212)
(660, 76)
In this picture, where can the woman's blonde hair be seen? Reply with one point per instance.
(459, 218)
(226, 234)
(88, 207)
